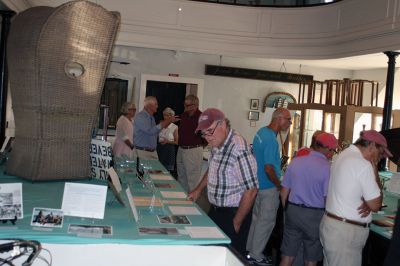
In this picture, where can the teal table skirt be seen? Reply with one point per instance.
(125, 229)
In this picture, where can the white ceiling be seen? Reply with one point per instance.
(371, 61)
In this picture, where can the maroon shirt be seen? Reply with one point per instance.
(186, 130)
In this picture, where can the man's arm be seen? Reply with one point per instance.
(196, 192)
(245, 205)
(142, 123)
(284, 195)
(272, 176)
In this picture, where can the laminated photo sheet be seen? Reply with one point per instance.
(11, 206)
(84, 200)
(184, 210)
(204, 232)
(46, 217)
(160, 177)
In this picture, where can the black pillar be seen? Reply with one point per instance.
(387, 108)
(5, 27)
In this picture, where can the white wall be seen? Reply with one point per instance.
(231, 95)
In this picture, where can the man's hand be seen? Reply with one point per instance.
(364, 210)
(194, 195)
(236, 224)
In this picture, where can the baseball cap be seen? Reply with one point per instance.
(208, 117)
(378, 138)
(327, 140)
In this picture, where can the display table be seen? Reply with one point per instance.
(125, 229)
(378, 241)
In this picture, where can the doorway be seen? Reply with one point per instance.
(166, 86)
(168, 94)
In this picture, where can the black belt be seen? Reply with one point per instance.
(333, 216)
(224, 209)
(190, 147)
(144, 149)
(304, 206)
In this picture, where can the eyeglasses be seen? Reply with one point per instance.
(188, 105)
(210, 132)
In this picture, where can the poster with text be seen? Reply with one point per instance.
(100, 158)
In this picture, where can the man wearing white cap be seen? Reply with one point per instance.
(231, 178)
(354, 191)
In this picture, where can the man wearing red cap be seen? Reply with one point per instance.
(354, 191)
(231, 178)
(303, 194)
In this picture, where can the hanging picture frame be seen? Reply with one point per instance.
(254, 104)
(254, 116)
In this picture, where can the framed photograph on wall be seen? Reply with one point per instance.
(254, 104)
(254, 115)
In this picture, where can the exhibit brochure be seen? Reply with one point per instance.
(84, 200)
(11, 206)
(204, 232)
(115, 179)
(164, 185)
(174, 194)
(132, 204)
(158, 231)
(166, 177)
(87, 230)
(173, 219)
(45, 217)
(184, 210)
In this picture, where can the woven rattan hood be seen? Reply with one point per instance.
(54, 110)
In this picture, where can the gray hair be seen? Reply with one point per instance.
(169, 111)
(149, 99)
(193, 99)
(126, 106)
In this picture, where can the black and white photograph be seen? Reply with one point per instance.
(158, 231)
(254, 104)
(80, 229)
(11, 201)
(45, 217)
(173, 219)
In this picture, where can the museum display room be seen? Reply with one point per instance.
(68, 66)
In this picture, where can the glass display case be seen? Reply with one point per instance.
(345, 122)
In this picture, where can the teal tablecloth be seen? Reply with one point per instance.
(125, 229)
(388, 213)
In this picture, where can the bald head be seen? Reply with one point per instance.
(281, 120)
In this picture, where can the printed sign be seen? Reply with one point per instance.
(100, 158)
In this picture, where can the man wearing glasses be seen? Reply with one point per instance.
(354, 191)
(231, 178)
(190, 151)
(267, 152)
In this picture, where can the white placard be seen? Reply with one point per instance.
(100, 158)
(11, 201)
(173, 194)
(184, 210)
(132, 204)
(204, 232)
(84, 200)
(115, 179)
(161, 177)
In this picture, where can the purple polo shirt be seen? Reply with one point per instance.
(307, 177)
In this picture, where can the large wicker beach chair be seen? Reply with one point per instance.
(57, 60)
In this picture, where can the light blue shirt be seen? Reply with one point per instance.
(266, 150)
(145, 130)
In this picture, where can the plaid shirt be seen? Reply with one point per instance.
(232, 170)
